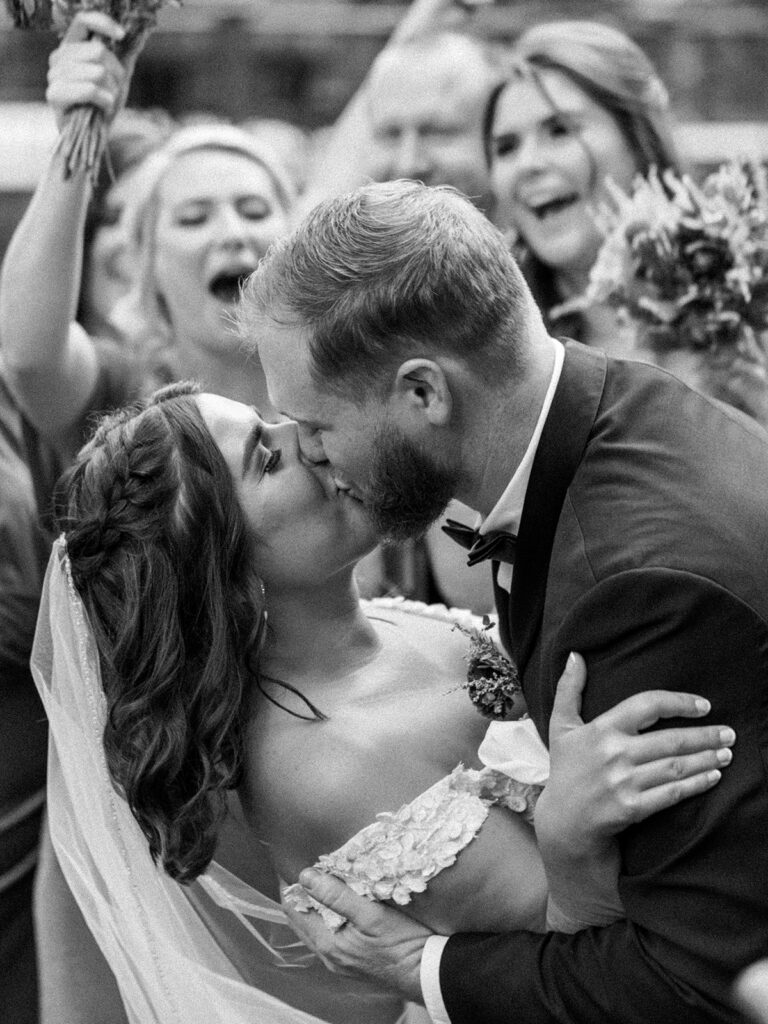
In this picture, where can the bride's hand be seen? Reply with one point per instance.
(84, 70)
(608, 774)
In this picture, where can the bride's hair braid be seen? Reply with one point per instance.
(160, 555)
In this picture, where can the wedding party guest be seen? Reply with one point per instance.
(204, 208)
(425, 102)
(170, 681)
(418, 112)
(423, 370)
(583, 107)
(581, 104)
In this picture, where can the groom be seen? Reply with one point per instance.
(396, 329)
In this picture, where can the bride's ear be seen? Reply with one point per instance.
(422, 391)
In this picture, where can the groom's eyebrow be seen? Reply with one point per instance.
(252, 442)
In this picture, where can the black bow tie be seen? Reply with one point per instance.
(498, 545)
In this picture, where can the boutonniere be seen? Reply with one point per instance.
(492, 679)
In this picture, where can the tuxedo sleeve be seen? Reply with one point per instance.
(693, 879)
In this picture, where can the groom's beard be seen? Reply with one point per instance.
(408, 487)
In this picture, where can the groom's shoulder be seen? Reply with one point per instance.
(673, 479)
(652, 407)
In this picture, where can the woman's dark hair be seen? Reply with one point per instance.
(612, 70)
(161, 557)
(616, 74)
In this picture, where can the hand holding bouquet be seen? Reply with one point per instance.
(90, 71)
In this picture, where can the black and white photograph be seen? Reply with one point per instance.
(384, 512)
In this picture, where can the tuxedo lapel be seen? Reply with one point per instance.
(558, 455)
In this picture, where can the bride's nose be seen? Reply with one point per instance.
(286, 437)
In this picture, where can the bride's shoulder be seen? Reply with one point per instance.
(401, 606)
(419, 620)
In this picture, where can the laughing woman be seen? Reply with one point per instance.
(581, 104)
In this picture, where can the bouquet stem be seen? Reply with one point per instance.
(82, 141)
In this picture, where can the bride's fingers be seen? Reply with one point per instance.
(667, 795)
(566, 709)
(643, 710)
(673, 769)
(671, 743)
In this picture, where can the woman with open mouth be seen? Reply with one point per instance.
(212, 201)
(201, 212)
(581, 104)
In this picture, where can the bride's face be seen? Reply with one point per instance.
(305, 529)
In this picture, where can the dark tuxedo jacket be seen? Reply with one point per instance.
(643, 545)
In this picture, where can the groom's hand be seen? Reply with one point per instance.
(377, 942)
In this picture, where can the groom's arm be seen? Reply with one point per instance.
(693, 876)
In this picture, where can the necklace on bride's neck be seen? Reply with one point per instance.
(316, 716)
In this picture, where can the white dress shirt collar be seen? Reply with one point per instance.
(508, 510)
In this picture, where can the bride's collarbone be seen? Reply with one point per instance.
(412, 665)
(417, 660)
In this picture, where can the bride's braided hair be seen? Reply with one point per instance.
(160, 555)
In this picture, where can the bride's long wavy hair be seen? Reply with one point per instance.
(161, 557)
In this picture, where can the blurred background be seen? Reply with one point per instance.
(301, 60)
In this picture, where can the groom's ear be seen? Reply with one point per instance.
(422, 391)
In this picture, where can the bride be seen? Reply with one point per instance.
(200, 637)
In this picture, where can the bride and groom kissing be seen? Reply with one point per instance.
(641, 519)
(395, 329)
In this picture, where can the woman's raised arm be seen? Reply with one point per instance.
(48, 358)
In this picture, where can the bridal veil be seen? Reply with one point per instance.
(217, 951)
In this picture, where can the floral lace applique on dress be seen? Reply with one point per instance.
(399, 853)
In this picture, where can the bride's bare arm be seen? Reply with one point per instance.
(611, 774)
(50, 361)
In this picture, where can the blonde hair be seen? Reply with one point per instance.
(140, 315)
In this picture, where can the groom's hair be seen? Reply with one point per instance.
(388, 272)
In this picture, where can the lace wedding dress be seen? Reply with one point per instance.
(219, 951)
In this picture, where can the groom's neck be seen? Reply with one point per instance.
(500, 428)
